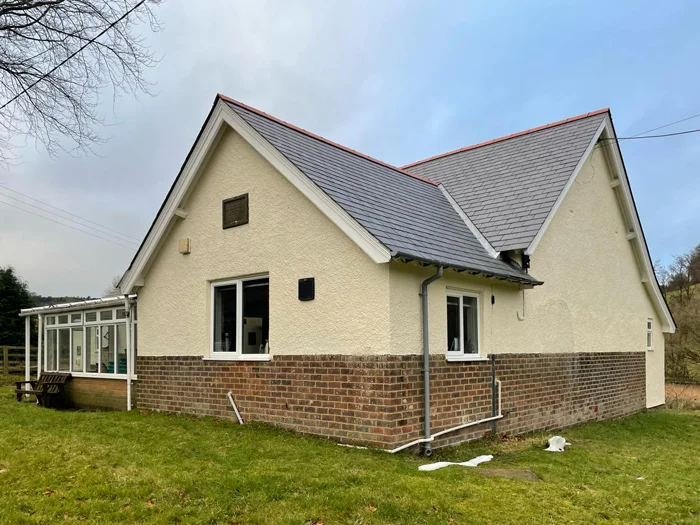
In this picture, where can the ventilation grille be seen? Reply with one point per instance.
(235, 211)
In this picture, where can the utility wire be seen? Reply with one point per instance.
(69, 226)
(66, 212)
(52, 215)
(635, 137)
(92, 40)
(667, 125)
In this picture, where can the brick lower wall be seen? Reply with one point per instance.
(379, 399)
(93, 393)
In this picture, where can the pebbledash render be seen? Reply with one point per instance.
(311, 282)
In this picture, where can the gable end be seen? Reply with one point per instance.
(605, 139)
(220, 116)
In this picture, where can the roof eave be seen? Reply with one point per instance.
(88, 304)
(525, 279)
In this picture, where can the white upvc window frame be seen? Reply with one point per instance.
(238, 355)
(69, 323)
(650, 334)
(84, 324)
(460, 355)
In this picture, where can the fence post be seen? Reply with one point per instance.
(5, 360)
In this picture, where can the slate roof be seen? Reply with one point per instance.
(409, 215)
(508, 186)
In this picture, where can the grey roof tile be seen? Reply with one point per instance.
(412, 217)
(506, 185)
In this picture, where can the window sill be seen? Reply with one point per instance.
(92, 375)
(459, 358)
(238, 357)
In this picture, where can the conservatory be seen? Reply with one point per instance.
(95, 341)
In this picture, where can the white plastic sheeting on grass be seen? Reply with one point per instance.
(471, 463)
(556, 444)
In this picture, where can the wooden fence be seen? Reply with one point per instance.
(12, 359)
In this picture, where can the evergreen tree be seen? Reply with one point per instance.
(14, 295)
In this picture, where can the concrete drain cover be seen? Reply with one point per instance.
(524, 475)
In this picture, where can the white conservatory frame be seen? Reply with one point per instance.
(123, 313)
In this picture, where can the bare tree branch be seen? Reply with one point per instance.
(57, 56)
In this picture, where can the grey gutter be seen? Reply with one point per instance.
(525, 279)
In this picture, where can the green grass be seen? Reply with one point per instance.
(9, 379)
(151, 468)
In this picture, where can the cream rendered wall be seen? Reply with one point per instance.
(287, 237)
(405, 312)
(592, 299)
(591, 276)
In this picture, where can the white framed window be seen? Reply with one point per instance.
(91, 343)
(463, 326)
(650, 335)
(240, 319)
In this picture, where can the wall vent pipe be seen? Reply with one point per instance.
(235, 408)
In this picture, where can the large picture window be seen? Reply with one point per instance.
(463, 337)
(241, 319)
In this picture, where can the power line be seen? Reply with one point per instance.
(95, 230)
(66, 212)
(667, 125)
(686, 132)
(90, 41)
(68, 226)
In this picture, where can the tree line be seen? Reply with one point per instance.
(680, 285)
(14, 296)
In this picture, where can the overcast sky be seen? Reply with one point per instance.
(399, 81)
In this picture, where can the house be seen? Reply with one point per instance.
(320, 286)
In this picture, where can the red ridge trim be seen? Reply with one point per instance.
(500, 139)
(322, 139)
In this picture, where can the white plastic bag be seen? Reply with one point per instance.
(556, 444)
(471, 463)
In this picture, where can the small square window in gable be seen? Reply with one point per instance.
(235, 211)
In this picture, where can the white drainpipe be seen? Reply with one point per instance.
(27, 350)
(454, 429)
(235, 408)
(39, 345)
(129, 364)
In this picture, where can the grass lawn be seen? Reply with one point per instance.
(152, 468)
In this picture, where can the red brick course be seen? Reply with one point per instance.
(379, 399)
(97, 393)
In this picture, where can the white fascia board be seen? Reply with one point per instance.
(627, 203)
(88, 304)
(639, 242)
(224, 115)
(150, 243)
(472, 227)
(533, 245)
(367, 242)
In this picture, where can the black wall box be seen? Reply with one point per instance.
(307, 289)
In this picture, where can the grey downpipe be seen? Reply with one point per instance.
(427, 449)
